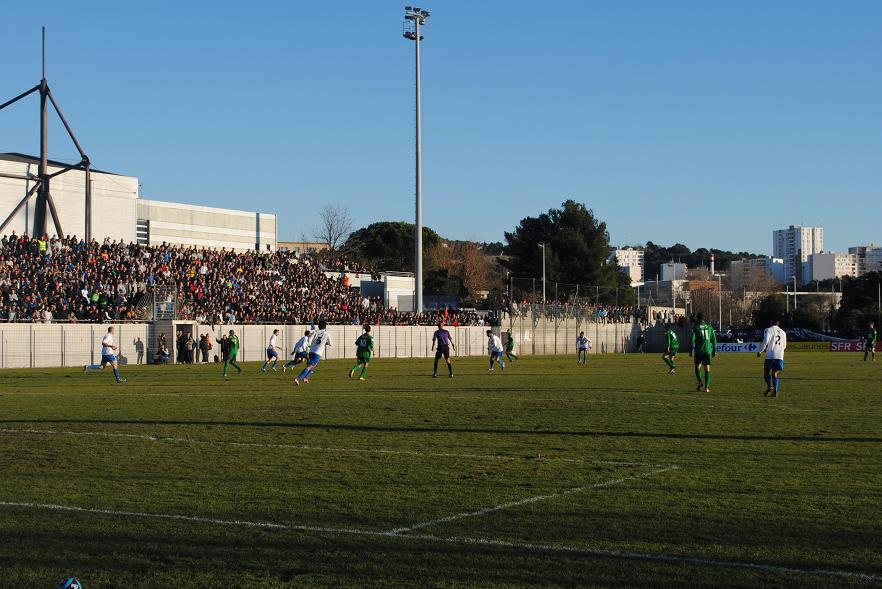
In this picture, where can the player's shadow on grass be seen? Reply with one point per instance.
(460, 430)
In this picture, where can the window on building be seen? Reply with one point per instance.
(142, 232)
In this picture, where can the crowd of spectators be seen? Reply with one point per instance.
(50, 279)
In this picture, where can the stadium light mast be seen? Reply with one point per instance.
(45, 206)
(542, 245)
(414, 18)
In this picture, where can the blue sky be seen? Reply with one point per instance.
(707, 123)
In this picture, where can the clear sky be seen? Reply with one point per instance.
(708, 123)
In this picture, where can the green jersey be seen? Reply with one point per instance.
(871, 336)
(510, 343)
(671, 340)
(704, 340)
(234, 346)
(365, 344)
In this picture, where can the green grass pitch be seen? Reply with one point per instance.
(545, 475)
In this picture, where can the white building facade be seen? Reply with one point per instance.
(794, 245)
(824, 266)
(630, 261)
(747, 272)
(119, 214)
(869, 257)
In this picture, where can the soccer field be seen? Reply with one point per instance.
(546, 474)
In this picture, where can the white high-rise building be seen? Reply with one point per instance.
(794, 245)
(631, 263)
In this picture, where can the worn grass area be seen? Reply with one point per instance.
(547, 474)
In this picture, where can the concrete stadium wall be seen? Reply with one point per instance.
(68, 345)
(60, 345)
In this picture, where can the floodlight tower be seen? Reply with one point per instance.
(414, 18)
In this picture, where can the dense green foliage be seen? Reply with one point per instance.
(655, 255)
(860, 304)
(389, 245)
(576, 250)
(792, 484)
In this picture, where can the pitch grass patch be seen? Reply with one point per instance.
(778, 493)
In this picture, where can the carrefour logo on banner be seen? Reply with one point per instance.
(748, 347)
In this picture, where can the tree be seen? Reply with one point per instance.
(389, 245)
(576, 251)
(335, 225)
(859, 305)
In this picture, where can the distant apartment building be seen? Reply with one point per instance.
(745, 273)
(794, 245)
(672, 271)
(302, 247)
(630, 261)
(869, 257)
(824, 266)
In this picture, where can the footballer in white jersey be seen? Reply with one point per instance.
(300, 353)
(272, 351)
(494, 347)
(321, 339)
(108, 356)
(774, 344)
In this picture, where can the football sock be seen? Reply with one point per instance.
(768, 378)
(450, 369)
(236, 366)
(698, 374)
(435, 369)
(94, 367)
(673, 364)
(363, 370)
(116, 374)
(667, 361)
(265, 364)
(775, 382)
(491, 361)
(275, 363)
(303, 373)
(226, 367)
(707, 377)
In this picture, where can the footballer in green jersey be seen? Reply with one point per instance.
(703, 347)
(509, 346)
(870, 342)
(230, 358)
(365, 347)
(672, 346)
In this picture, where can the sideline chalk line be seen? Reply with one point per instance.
(172, 440)
(529, 547)
(529, 500)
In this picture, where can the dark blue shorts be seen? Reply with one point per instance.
(774, 365)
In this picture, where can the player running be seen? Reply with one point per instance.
(107, 356)
(774, 344)
(300, 353)
(365, 347)
(494, 347)
(703, 345)
(672, 346)
(442, 338)
(583, 344)
(320, 341)
(230, 358)
(870, 342)
(272, 351)
(509, 347)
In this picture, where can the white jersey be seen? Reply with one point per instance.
(274, 339)
(320, 340)
(494, 344)
(774, 343)
(301, 345)
(107, 344)
(583, 343)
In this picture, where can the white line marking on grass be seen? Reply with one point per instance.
(527, 501)
(528, 547)
(170, 440)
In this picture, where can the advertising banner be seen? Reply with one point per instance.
(736, 347)
(852, 346)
